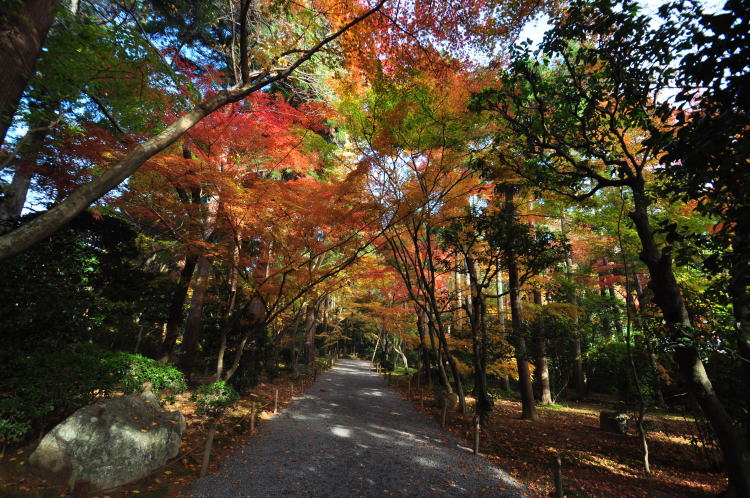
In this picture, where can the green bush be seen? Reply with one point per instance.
(213, 399)
(164, 379)
(40, 390)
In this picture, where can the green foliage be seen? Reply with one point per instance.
(214, 399)
(39, 390)
(79, 285)
(164, 378)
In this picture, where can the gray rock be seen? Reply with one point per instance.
(112, 442)
(613, 422)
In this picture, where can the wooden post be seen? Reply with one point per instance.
(408, 391)
(557, 470)
(291, 390)
(82, 488)
(208, 447)
(252, 417)
(301, 387)
(276, 401)
(421, 398)
(445, 412)
(476, 435)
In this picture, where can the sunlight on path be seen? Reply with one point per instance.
(350, 435)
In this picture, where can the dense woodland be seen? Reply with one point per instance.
(227, 190)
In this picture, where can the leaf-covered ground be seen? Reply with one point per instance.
(594, 462)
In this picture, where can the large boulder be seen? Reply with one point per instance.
(112, 442)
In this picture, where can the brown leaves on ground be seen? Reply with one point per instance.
(594, 462)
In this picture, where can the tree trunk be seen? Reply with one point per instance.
(438, 356)
(226, 323)
(311, 324)
(426, 361)
(477, 315)
(505, 379)
(174, 319)
(193, 323)
(578, 377)
(668, 297)
(528, 408)
(542, 369)
(22, 34)
(739, 284)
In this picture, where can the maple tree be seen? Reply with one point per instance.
(248, 190)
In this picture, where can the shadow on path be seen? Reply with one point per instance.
(351, 435)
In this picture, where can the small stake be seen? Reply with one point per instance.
(421, 399)
(276, 401)
(476, 434)
(252, 417)
(291, 390)
(445, 412)
(557, 472)
(408, 391)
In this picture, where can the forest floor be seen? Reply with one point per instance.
(594, 462)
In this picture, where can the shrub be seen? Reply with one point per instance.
(165, 379)
(213, 399)
(40, 390)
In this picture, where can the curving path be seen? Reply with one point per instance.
(350, 435)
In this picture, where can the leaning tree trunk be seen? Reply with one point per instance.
(22, 33)
(668, 298)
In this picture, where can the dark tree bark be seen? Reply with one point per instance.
(542, 368)
(193, 323)
(174, 319)
(477, 311)
(528, 408)
(668, 297)
(23, 29)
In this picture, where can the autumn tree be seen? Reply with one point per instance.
(584, 114)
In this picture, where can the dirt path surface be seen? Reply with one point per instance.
(351, 435)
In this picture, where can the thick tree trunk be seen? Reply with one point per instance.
(668, 297)
(739, 285)
(22, 33)
(174, 319)
(528, 408)
(193, 323)
(542, 368)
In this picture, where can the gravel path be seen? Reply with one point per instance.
(350, 435)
